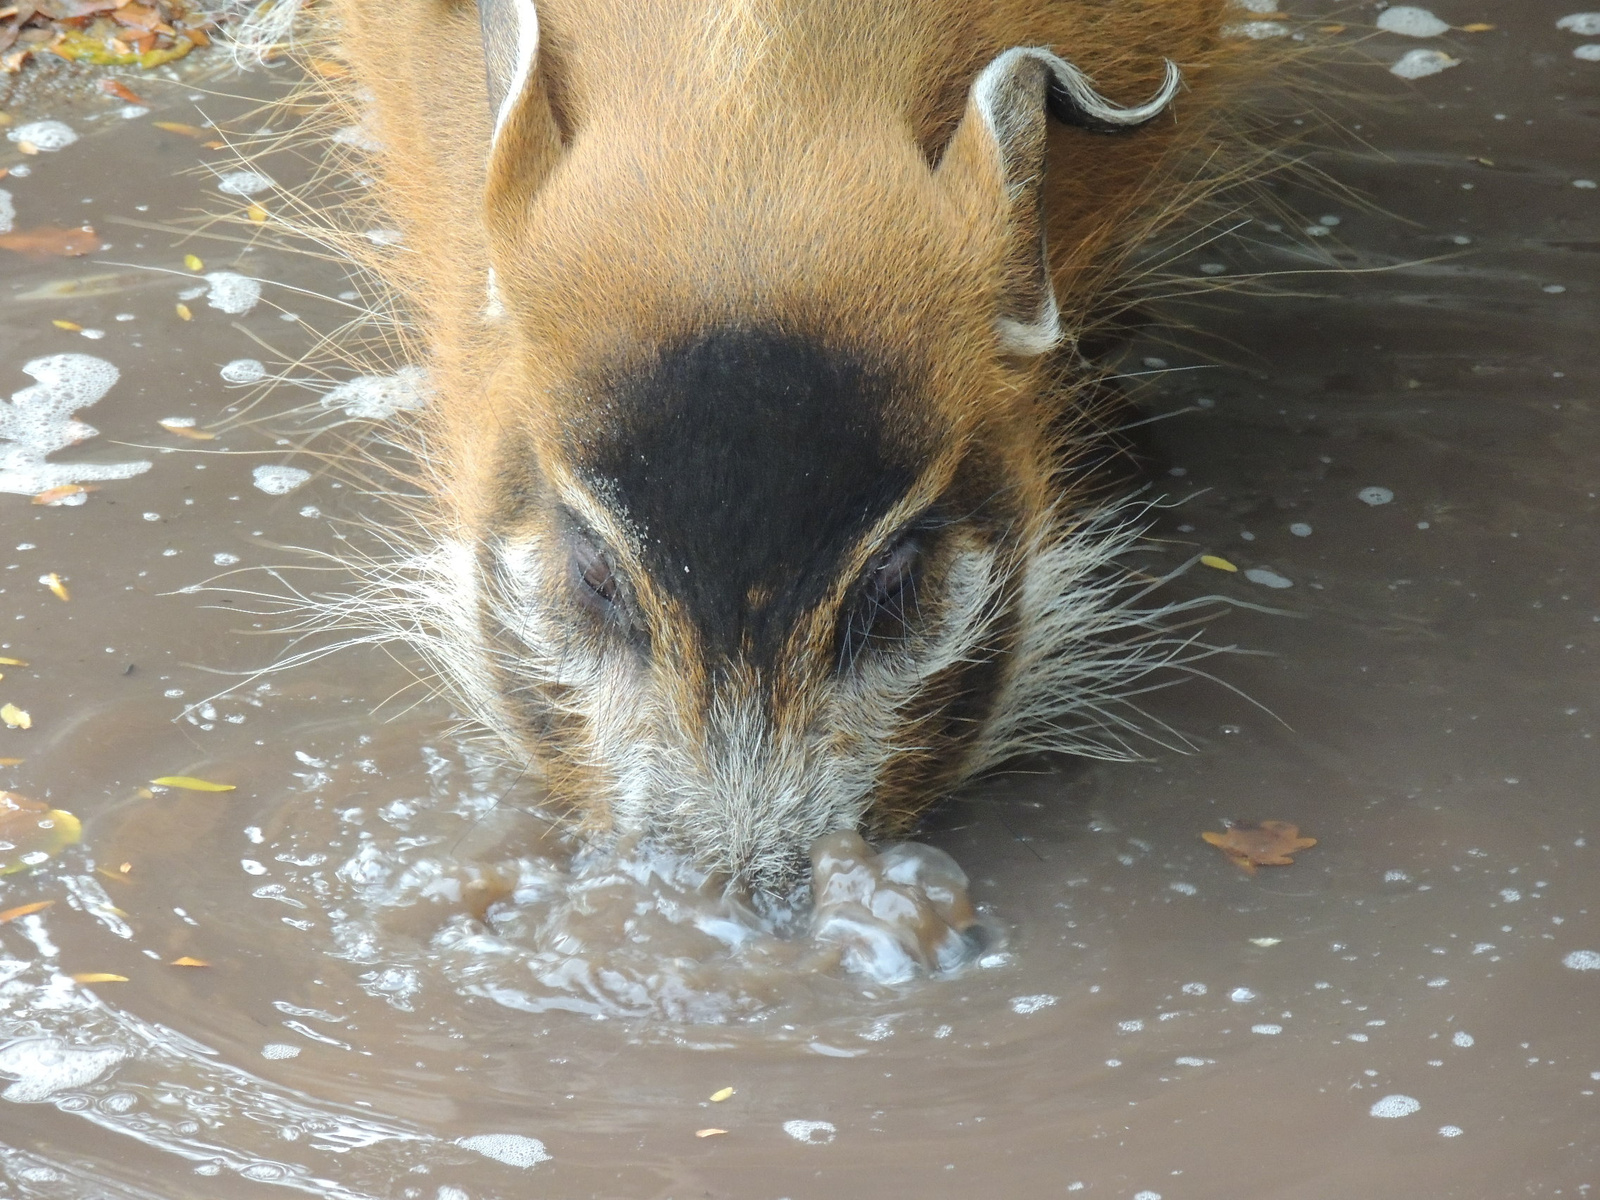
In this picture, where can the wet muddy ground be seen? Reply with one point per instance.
(1403, 459)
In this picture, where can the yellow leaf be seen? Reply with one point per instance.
(188, 431)
(99, 977)
(31, 832)
(186, 961)
(11, 762)
(193, 131)
(12, 662)
(53, 582)
(14, 717)
(1477, 27)
(705, 1133)
(27, 147)
(125, 868)
(23, 910)
(257, 214)
(69, 326)
(61, 491)
(1330, 28)
(183, 312)
(1218, 564)
(720, 1095)
(193, 262)
(190, 784)
(119, 876)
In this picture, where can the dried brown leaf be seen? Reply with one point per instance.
(1269, 844)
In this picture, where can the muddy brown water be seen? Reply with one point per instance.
(1413, 1009)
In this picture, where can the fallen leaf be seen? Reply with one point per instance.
(52, 239)
(99, 977)
(183, 312)
(23, 910)
(1269, 844)
(13, 662)
(14, 717)
(1265, 943)
(57, 588)
(1216, 564)
(119, 876)
(186, 961)
(193, 131)
(61, 491)
(125, 868)
(193, 262)
(190, 784)
(1330, 28)
(11, 762)
(26, 146)
(122, 92)
(720, 1095)
(256, 213)
(69, 326)
(1477, 27)
(1480, 160)
(31, 832)
(188, 431)
(705, 1133)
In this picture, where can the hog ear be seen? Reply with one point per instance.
(994, 169)
(525, 141)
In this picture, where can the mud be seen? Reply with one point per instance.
(418, 988)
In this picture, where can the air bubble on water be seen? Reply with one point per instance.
(1395, 1106)
(1409, 21)
(1183, 889)
(1147, 1195)
(1584, 24)
(1189, 1060)
(1586, 184)
(812, 1133)
(1025, 1005)
(1133, 1026)
(1582, 960)
(1510, 895)
(1267, 578)
(1438, 983)
(243, 183)
(1449, 1131)
(8, 211)
(1462, 1038)
(279, 481)
(1194, 989)
(223, 559)
(38, 421)
(1256, 30)
(1268, 1030)
(243, 370)
(1212, 268)
(1588, 52)
(279, 1050)
(1375, 496)
(232, 293)
(44, 135)
(1241, 995)
(1417, 64)
(252, 867)
(1300, 529)
(512, 1149)
(1396, 877)
(43, 1066)
(378, 397)
(310, 510)
(1156, 364)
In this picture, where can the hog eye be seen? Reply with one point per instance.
(886, 601)
(890, 571)
(595, 582)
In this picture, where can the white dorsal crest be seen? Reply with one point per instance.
(1004, 130)
(510, 31)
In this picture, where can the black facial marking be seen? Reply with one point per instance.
(750, 462)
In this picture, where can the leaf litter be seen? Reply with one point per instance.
(1268, 844)
(32, 832)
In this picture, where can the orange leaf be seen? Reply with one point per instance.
(99, 977)
(57, 588)
(12, 762)
(23, 910)
(52, 239)
(122, 92)
(1269, 844)
(61, 491)
(69, 326)
(186, 961)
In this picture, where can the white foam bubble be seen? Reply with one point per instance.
(243, 370)
(1300, 529)
(1588, 52)
(278, 1050)
(1582, 960)
(1584, 24)
(1267, 1030)
(1194, 989)
(279, 481)
(1256, 30)
(8, 211)
(1462, 1038)
(812, 1133)
(1375, 496)
(378, 397)
(1418, 64)
(1267, 578)
(1189, 1060)
(38, 421)
(223, 559)
(1241, 995)
(44, 135)
(232, 293)
(1449, 1131)
(1133, 1026)
(44, 1066)
(1025, 1005)
(1395, 1106)
(512, 1149)
(1510, 895)
(243, 183)
(1410, 21)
